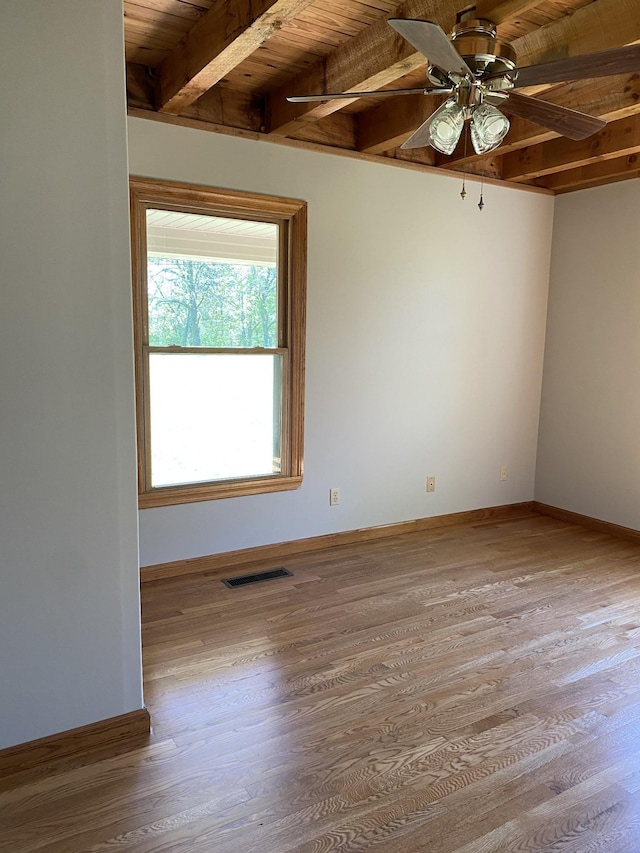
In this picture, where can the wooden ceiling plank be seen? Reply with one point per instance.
(601, 25)
(162, 15)
(158, 38)
(374, 58)
(619, 139)
(230, 32)
(595, 174)
(180, 9)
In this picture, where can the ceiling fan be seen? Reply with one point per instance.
(479, 73)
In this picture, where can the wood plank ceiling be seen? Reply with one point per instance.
(228, 65)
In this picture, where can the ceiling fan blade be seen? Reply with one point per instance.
(431, 40)
(604, 63)
(420, 137)
(569, 123)
(304, 99)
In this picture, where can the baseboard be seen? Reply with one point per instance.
(132, 728)
(229, 559)
(587, 521)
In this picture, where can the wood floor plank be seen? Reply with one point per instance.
(465, 690)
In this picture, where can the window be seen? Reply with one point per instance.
(219, 314)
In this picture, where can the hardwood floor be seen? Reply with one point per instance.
(466, 690)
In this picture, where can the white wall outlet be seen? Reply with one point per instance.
(503, 472)
(334, 497)
(431, 484)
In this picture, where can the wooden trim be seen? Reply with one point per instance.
(170, 350)
(587, 521)
(306, 145)
(214, 201)
(216, 562)
(132, 729)
(290, 215)
(140, 327)
(296, 324)
(173, 495)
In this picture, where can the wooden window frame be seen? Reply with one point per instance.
(291, 216)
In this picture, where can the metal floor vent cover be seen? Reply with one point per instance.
(243, 580)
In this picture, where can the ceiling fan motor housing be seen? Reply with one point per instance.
(475, 40)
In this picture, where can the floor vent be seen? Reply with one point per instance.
(260, 576)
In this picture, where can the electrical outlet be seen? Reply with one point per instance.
(431, 484)
(503, 472)
(334, 497)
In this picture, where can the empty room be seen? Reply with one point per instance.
(320, 522)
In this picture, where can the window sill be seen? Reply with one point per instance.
(171, 495)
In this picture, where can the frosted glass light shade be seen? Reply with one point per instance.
(446, 126)
(488, 128)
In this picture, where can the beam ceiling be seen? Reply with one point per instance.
(229, 65)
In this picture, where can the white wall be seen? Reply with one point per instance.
(69, 607)
(589, 446)
(424, 341)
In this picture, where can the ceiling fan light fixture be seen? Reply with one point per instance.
(445, 126)
(488, 128)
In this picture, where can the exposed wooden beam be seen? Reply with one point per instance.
(230, 32)
(619, 139)
(601, 25)
(370, 60)
(377, 57)
(500, 11)
(605, 172)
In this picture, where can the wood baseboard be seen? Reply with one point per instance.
(587, 521)
(262, 553)
(131, 729)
